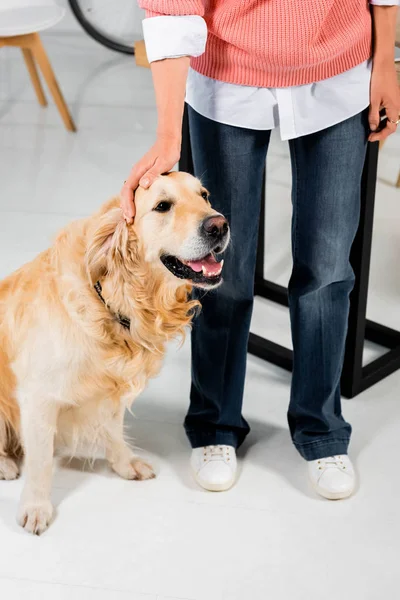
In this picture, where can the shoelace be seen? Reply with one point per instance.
(331, 462)
(216, 453)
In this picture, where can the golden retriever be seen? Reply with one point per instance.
(85, 324)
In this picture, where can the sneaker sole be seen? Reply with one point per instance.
(331, 495)
(213, 487)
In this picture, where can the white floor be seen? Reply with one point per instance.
(270, 536)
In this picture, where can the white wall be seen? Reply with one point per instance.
(70, 25)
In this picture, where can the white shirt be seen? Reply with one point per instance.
(297, 110)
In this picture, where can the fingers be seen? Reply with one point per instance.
(157, 161)
(374, 117)
(144, 173)
(393, 113)
(128, 203)
(388, 125)
(151, 174)
(130, 185)
(138, 171)
(382, 135)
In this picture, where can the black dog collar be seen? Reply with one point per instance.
(124, 321)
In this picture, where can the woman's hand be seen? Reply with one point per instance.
(385, 93)
(161, 158)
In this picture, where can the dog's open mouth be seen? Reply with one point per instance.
(204, 271)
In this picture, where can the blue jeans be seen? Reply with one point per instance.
(327, 168)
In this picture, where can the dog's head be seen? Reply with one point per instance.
(177, 227)
(176, 234)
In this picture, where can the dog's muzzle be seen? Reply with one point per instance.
(204, 270)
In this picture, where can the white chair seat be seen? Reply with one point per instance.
(28, 19)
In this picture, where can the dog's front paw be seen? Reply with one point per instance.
(8, 468)
(35, 517)
(134, 469)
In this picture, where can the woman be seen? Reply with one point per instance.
(305, 67)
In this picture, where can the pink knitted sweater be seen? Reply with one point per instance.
(276, 43)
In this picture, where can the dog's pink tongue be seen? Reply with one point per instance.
(211, 266)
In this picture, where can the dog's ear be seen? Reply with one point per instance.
(108, 235)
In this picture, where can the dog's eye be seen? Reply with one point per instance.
(204, 195)
(163, 206)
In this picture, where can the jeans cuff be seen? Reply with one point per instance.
(323, 448)
(198, 439)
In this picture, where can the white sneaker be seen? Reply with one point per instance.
(332, 477)
(214, 467)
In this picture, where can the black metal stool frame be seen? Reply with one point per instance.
(355, 377)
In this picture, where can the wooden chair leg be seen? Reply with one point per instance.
(42, 60)
(32, 70)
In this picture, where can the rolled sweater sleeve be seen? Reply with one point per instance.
(173, 28)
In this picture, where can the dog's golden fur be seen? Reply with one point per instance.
(68, 368)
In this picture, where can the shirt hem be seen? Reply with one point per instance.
(334, 122)
(192, 104)
(277, 126)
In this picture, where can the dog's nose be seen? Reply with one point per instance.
(215, 227)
